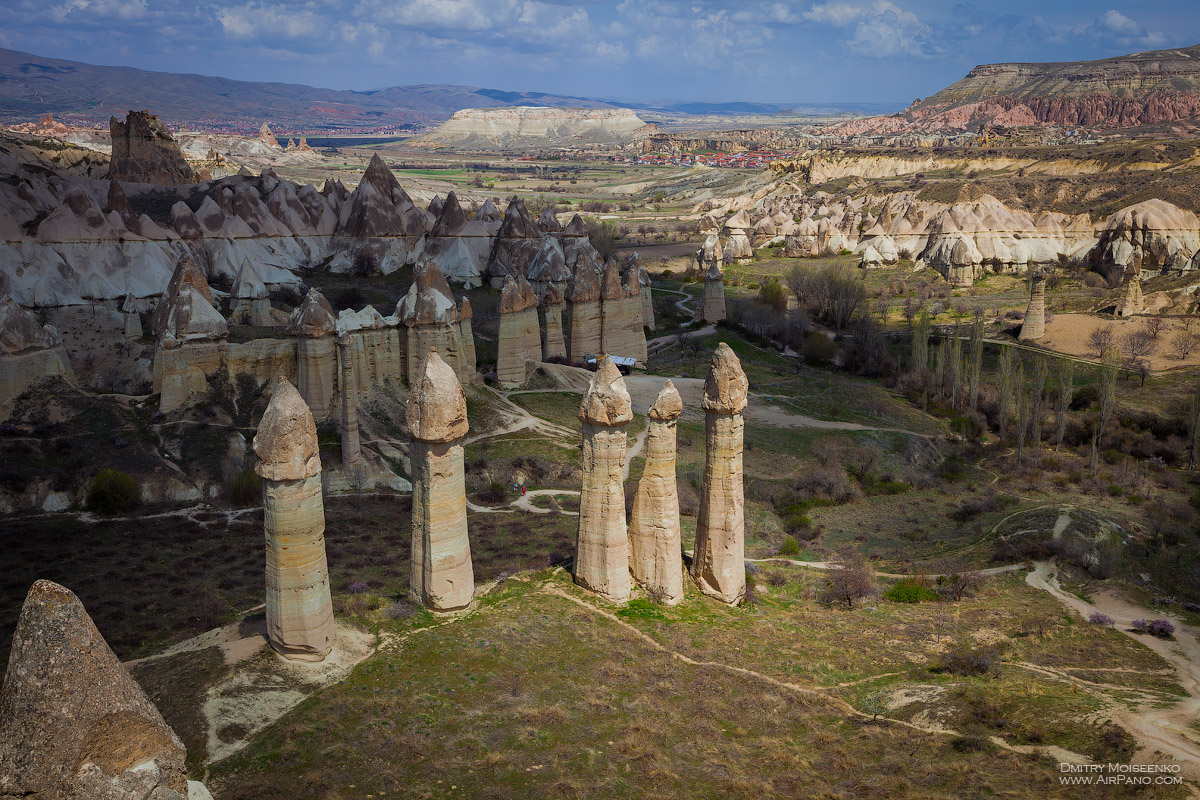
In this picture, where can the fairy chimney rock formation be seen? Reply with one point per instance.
(655, 555)
(718, 566)
(441, 575)
(712, 300)
(267, 137)
(553, 344)
(1131, 302)
(29, 351)
(144, 151)
(602, 543)
(299, 606)
(186, 274)
(351, 447)
(519, 337)
(1034, 325)
(583, 315)
(73, 723)
(314, 325)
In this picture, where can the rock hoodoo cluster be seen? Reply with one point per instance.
(441, 575)
(73, 723)
(299, 605)
(608, 557)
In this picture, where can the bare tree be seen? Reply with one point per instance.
(1100, 340)
(861, 460)
(848, 579)
(357, 476)
(1183, 343)
(1006, 367)
(1155, 326)
(1037, 389)
(910, 309)
(1136, 346)
(1194, 429)
(1108, 399)
(1023, 408)
(975, 360)
(1066, 391)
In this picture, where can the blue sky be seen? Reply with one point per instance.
(756, 50)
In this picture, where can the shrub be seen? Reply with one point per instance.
(966, 660)
(790, 546)
(848, 579)
(908, 590)
(1193, 607)
(246, 488)
(1160, 628)
(1101, 619)
(358, 587)
(400, 610)
(112, 492)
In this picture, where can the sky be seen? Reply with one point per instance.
(882, 51)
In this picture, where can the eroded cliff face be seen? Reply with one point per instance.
(144, 151)
(1154, 87)
(535, 126)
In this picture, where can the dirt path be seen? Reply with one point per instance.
(1061, 754)
(1164, 729)
(643, 389)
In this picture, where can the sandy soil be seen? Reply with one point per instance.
(1068, 333)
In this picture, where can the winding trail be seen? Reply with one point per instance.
(844, 707)
(1165, 730)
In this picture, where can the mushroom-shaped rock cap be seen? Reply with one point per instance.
(21, 331)
(313, 317)
(726, 386)
(437, 409)
(668, 405)
(286, 442)
(606, 401)
(67, 701)
(517, 295)
(552, 296)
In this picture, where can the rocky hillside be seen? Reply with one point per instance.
(529, 126)
(1143, 89)
(31, 86)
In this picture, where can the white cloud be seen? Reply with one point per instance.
(880, 29)
(836, 13)
(262, 20)
(1120, 30)
(118, 9)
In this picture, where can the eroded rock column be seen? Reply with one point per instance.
(655, 556)
(299, 607)
(718, 566)
(602, 544)
(1034, 325)
(441, 575)
(73, 723)
(351, 449)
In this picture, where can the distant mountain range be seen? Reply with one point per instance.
(1154, 88)
(31, 86)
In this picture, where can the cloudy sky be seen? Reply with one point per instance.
(755, 50)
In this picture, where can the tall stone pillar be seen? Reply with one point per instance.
(351, 449)
(299, 607)
(312, 322)
(552, 343)
(441, 576)
(718, 566)
(1034, 326)
(655, 555)
(602, 544)
(583, 311)
(519, 339)
(711, 307)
